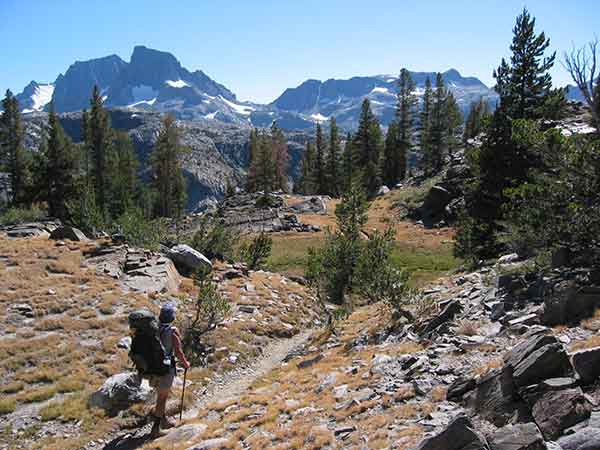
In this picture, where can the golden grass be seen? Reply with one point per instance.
(488, 367)
(7, 405)
(591, 342)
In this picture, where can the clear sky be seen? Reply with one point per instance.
(257, 48)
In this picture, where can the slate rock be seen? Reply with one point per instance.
(556, 411)
(585, 439)
(587, 364)
(522, 436)
(550, 361)
(460, 434)
(527, 347)
(448, 313)
(210, 444)
(459, 388)
(70, 233)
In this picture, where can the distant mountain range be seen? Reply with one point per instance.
(155, 81)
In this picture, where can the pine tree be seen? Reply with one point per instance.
(306, 184)
(454, 120)
(168, 175)
(252, 161)
(280, 156)
(392, 154)
(407, 102)
(12, 152)
(439, 126)
(320, 169)
(478, 115)
(348, 159)
(367, 148)
(60, 170)
(425, 134)
(99, 140)
(123, 170)
(525, 84)
(333, 161)
(265, 165)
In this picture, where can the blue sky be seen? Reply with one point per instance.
(257, 48)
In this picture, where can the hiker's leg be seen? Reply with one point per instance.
(161, 401)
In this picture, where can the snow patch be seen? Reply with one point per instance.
(381, 90)
(319, 117)
(240, 109)
(176, 83)
(211, 115)
(142, 93)
(143, 102)
(41, 96)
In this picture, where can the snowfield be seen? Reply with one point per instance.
(177, 83)
(319, 117)
(240, 109)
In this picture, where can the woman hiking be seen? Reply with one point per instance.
(171, 341)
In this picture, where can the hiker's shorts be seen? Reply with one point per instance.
(163, 382)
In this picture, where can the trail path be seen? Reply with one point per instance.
(222, 387)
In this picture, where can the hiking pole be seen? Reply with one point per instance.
(182, 394)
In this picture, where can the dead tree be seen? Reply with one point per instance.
(581, 63)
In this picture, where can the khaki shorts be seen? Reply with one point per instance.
(163, 382)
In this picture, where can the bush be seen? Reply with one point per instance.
(210, 308)
(19, 215)
(256, 253)
(139, 231)
(84, 213)
(7, 405)
(214, 239)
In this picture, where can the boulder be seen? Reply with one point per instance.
(383, 190)
(508, 259)
(549, 361)
(70, 233)
(522, 436)
(584, 439)
(496, 399)
(447, 314)
(434, 204)
(188, 258)
(570, 303)
(525, 348)
(587, 364)
(460, 434)
(148, 273)
(459, 388)
(210, 444)
(556, 411)
(119, 392)
(181, 435)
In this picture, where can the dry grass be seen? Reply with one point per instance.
(488, 367)
(591, 342)
(466, 327)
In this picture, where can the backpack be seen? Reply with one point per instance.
(147, 351)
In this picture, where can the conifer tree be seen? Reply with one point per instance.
(333, 161)
(123, 169)
(60, 167)
(454, 120)
(405, 118)
(99, 139)
(425, 134)
(265, 165)
(320, 168)
(439, 126)
(12, 152)
(168, 175)
(367, 148)
(252, 160)
(478, 114)
(279, 151)
(393, 154)
(306, 183)
(348, 159)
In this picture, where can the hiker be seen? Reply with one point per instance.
(171, 341)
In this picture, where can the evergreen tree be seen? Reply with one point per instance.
(407, 101)
(525, 84)
(439, 126)
(333, 161)
(60, 167)
(367, 148)
(454, 120)
(425, 134)
(392, 154)
(320, 169)
(265, 165)
(252, 160)
(168, 175)
(306, 183)
(348, 158)
(123, 170)
(478, 115)
(12, 153)
(99, 142)
(279, 151)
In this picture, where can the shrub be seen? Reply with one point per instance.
(140, 231)
(19, 215)
(257, 251)
(84, 213)
(210, 308)
(7, 405)
(214, 239)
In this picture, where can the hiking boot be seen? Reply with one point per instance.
(165, 423)
(155, 432)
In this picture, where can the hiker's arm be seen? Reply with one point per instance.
(178, 350)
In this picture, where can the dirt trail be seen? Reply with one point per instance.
(222, 387)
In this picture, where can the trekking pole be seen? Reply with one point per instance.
(182, 395)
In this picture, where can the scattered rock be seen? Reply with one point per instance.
(447, 314)
(70, 233)
(188, 258)
(585, 439)
(587, 364)
(524, 436)
(460, 434)
(309, 362)
(550, 361)
(210, 444)
(119, 392)
(125, 343)
(460, 387)
(181, 435)
(556, 411)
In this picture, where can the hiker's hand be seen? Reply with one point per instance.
(185, 364)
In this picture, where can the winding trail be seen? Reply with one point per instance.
(221, 388)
